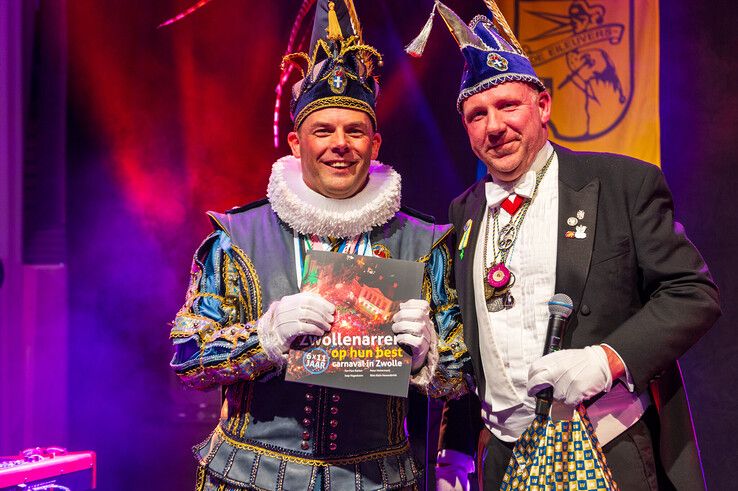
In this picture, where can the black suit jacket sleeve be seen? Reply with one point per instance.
(680, 301)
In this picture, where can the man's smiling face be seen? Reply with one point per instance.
(507, 126)
(335, 147)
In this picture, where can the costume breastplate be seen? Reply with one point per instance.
(281, 435)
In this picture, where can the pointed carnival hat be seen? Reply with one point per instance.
(339, 69)
(491, 52)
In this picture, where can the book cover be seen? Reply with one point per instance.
(359, 352)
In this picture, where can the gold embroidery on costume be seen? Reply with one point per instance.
(249, 283)
(405, 447)
(395, 418)
(448, 381)
(200, 483)
(247, 409)
(233, 402)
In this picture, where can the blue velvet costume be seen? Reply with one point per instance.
(280, 435)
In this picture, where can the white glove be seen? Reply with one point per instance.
(412, 327)
(304, 313)
(452, 471)
(574, 374)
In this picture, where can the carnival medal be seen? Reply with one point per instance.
(501, 302)
(498, 279)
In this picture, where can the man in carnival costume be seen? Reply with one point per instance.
(597, 227)
(244, 307)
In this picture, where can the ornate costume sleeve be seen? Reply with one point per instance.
(214, 333)
(452, 376)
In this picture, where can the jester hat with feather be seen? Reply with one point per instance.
(338, 70)
(491, 52)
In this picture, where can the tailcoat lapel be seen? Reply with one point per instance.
(577, 194)
(475, 208)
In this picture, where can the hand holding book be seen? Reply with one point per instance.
(411, 326)
(303, 313)
(378, 334)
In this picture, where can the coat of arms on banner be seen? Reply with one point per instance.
(583, 51)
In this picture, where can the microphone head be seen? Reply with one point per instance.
(561, 305)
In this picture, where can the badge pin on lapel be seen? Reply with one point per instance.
(580, 231)
(465, 238)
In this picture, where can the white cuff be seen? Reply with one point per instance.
(423, 377)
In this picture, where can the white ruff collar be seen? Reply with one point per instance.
(309, 212)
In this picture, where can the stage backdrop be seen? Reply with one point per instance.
(600, 61)
(165, 124)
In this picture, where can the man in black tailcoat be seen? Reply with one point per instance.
(597, 227)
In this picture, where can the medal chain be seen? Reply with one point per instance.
(515, 222)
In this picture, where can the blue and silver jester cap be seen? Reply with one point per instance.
(491, 52)
(340, 68)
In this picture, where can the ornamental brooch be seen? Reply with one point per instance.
(497, 62)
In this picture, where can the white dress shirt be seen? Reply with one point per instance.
(511, 339)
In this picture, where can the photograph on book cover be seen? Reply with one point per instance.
(359, 352)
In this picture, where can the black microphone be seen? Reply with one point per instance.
(559, 308)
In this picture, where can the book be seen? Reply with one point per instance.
(359, 352)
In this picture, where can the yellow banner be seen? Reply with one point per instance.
(600, 60)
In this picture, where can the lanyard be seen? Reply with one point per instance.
(360, 245)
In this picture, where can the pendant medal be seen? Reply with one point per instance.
(498, 276)
(501, 302)
(496, 280)
(507, 237)
(495, 304)
(499, 280)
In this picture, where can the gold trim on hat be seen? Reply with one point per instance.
(335, 101)
(503, 27)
